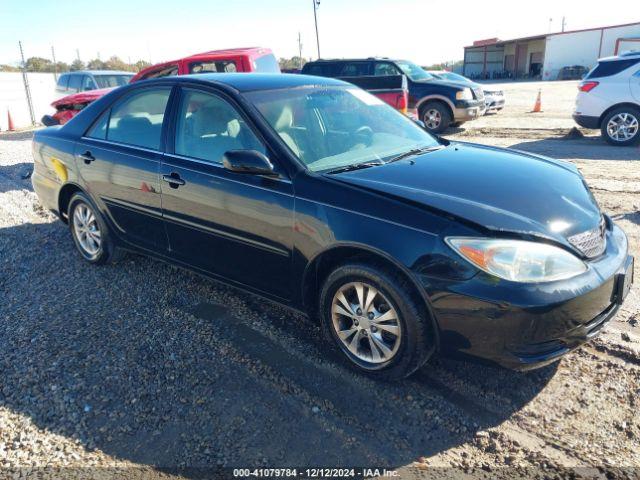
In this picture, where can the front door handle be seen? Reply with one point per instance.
(173, 180)
(87, 157)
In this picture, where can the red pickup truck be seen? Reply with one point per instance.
(253, 59)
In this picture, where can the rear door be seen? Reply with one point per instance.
(234, 225)
(119, 159)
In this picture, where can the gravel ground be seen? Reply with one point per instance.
(143, 370)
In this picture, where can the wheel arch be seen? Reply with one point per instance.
(440, 98)
(64, 197)
(604, 114)
(327, 260)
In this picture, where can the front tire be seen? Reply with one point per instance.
(621, 126)
(90, 232)
(435, 116)
(374, 323)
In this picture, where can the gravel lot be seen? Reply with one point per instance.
(143, 370)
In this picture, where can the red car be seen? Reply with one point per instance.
(253, 59)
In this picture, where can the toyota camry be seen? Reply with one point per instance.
(313, 193)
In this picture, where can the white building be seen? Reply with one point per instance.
(543, 56)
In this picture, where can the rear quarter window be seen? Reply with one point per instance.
(63, 82)
(267, 64)
(324, 69)
(75, 82)
(354, 69)
(607, 69)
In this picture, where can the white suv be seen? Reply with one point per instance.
(609, 99)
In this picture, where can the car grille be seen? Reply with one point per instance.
(592, 242)
(478, 93)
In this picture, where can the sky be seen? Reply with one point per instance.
(424, 31)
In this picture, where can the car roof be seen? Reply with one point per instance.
(247, 82)
(99, 72)
(369, 59)
(622, 56)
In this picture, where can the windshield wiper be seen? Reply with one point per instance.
(355, 166)
(415, 151)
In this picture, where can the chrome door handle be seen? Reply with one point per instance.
(173, 180)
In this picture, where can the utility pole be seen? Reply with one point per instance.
(55, 65)
(27, 90)
(550, 24)
(299, 51)
(563, 24)
(78, 54)
(316, 4)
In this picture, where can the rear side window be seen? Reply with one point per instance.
(137, 120)
(318, 69)
(267, 64)
(354, 69)
(63, 82)
(607, 69)
(87, 83)
(219, 66)
(75, 82)
(99, 129)
(385, 68)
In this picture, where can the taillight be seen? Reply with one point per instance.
(402, 102)
(587, 86)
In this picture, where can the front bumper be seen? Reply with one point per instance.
(525, 326)
(494, 103)
(466, 110)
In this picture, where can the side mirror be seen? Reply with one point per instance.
(247, 161)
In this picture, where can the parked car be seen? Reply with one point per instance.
(609, 99)
(253, 59)
(493, 98)
(439, 103)
(391, 89)
(74, 90)
(315, 194)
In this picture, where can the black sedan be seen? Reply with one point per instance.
(313, 193)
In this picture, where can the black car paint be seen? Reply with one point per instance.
(267, 234)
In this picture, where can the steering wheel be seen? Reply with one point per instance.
(366, 134)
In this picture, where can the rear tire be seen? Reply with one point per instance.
(435, 116)
(621, 126)
(90, 232)
(457, 124)
(382, 330)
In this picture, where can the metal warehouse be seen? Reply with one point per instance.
(545, 56)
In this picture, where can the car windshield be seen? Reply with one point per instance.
(454, 77)
(115, 80)
(413, 71)
(330, 128)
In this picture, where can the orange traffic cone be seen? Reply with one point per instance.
(537, 108)
(11, 126)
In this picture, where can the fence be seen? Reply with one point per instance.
(14, 98)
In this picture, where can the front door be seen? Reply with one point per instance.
(237, 226)
(634, 83)
(119, 162)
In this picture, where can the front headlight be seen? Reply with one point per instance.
(464, 94)
(518, 260)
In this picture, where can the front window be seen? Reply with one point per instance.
(110, 81)
(333, 127)
(413, 71)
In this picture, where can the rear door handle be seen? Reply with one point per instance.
(173, 180)
(87, 157)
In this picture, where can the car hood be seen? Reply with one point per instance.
(496, 189)
(448, 83)
(82, 97)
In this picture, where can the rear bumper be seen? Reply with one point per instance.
(587, 121)
(525, 326)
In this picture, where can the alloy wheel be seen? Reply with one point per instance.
(622, 127)
(87, 230)
(366, 323)
(432, 118)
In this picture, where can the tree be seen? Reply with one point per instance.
(115, 63)
(38, 64)
(96, 64)
(292, 63)
(77, 64)
(140, 65)
(8, 68)
(62, 67)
